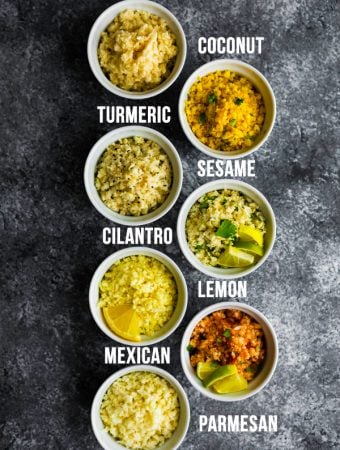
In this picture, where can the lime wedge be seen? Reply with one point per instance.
(250, 247)
(219, 374)
(205, 368)
(234, 257)
(234, 383)
(247, 233)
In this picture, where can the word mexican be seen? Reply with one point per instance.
(137, 355)
(235, 424)
(219, 289)
(230, 45)
(134, 114)
(137, 236)
(229, 168)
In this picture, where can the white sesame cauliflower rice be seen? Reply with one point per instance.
(140, 410)
(133, 176)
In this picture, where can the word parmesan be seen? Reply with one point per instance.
(236, 424)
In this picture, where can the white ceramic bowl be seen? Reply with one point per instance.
(177, 315)
(257, 79)
(99, 148)
(106, 18)
(263, 376)
(108, 442)
(248, 190)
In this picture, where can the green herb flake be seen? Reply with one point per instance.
(232, 122)
(212, 98)
(204, 204)
(218, 340)
(252, 138)
(251, 368)
(227, 333)
(238, 101)
(202, 118)
(190, 348)
(212, 197)
(199, 247)
(227, 229)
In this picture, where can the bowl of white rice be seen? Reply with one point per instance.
(133, 175)
(140, 407)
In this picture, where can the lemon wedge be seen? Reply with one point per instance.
(249, 247)
(234, 257)
(124, 321)
(204, 369)
(234, 383)
(250, 234)
(219, 374)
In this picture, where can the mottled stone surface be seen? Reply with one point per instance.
(51, 349)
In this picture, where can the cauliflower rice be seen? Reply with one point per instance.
(146, 284)
(225, 111)
(133, 176)
(229, 336)
(137, 51)
(205, 217)
(140, 410)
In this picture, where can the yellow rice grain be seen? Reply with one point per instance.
(225, 111)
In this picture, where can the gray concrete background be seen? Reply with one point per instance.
(51, 350)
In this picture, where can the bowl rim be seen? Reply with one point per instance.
(140, 368)
(186, 127)
(188, 331)
(100, 76)
(107, 263)
(98, 148)
(181, 232)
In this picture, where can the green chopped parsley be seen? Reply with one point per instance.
(212, 98)
(202, 118)
(204, 204)
(232, 122)
(238, 101)
(227, 333)
(199, 247)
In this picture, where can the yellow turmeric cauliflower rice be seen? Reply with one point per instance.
(146, 284)
(225, 111)
(137, 51)
(140, 410)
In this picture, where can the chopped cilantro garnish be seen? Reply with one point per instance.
(191, 349)
(252, 138)
(199, 247)
(227, 229)
(232, 122)
(204, 204)
(212, 98)
(202, 118)
(227, 333)
(238, 101)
